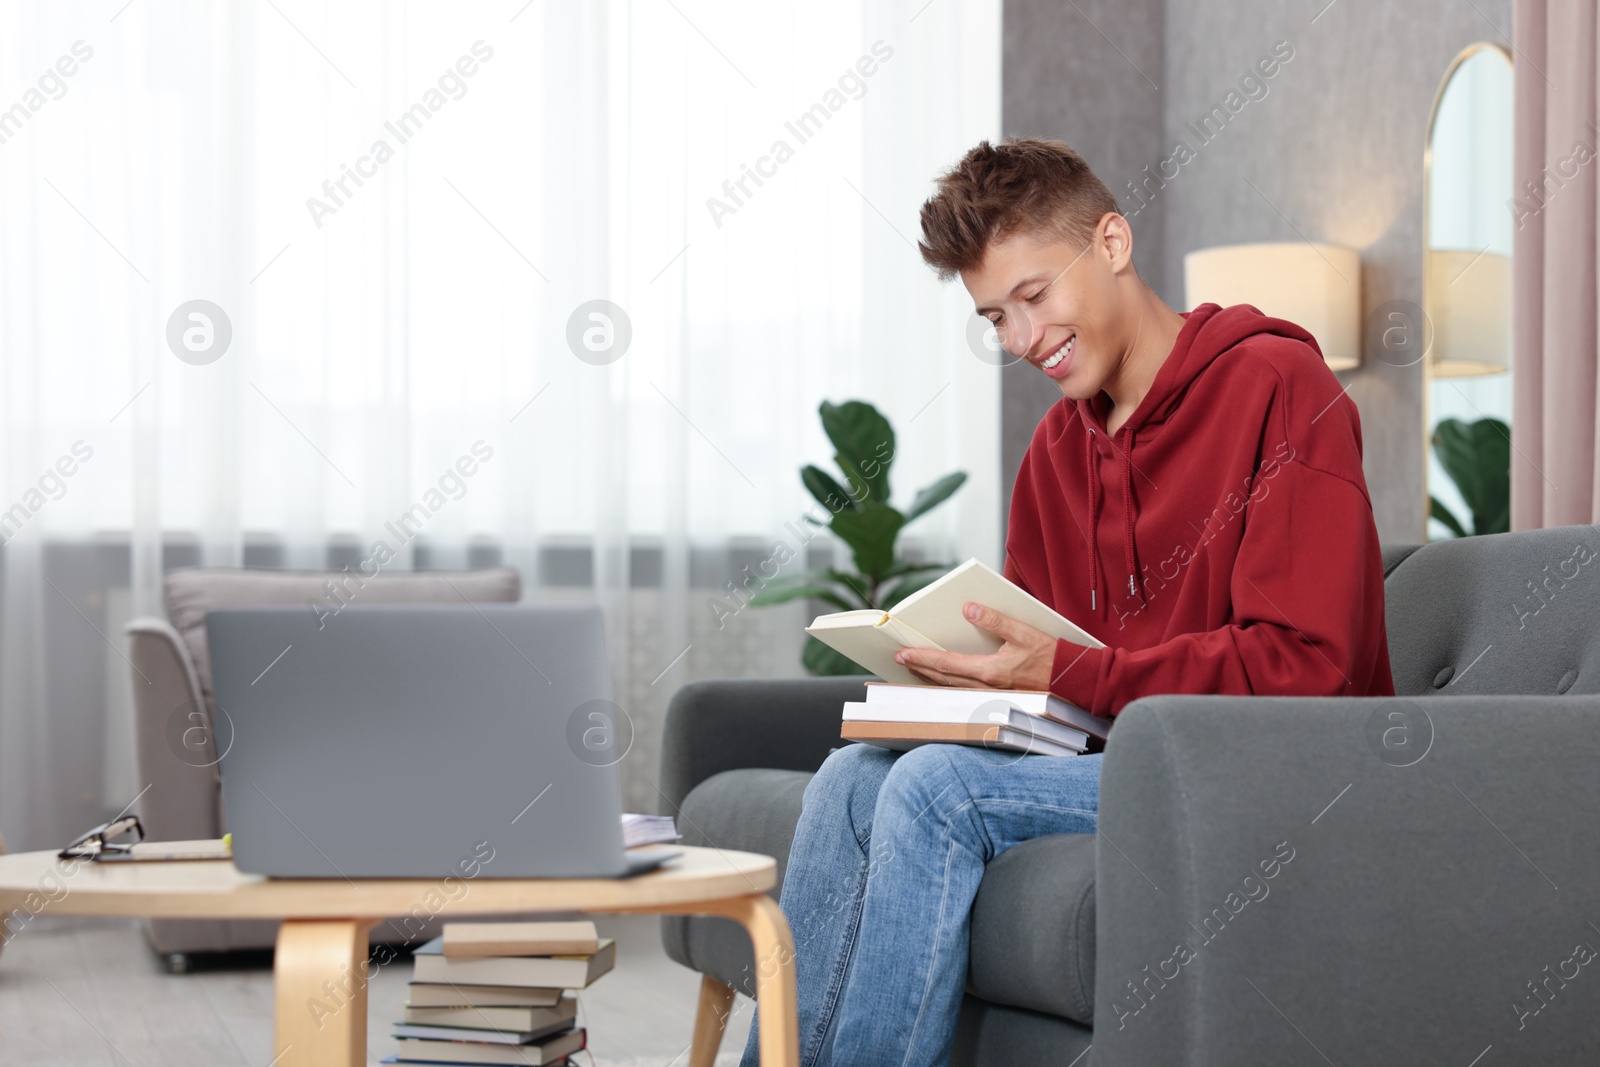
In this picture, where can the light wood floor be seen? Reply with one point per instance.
(79, 992)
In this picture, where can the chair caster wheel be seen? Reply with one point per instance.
(176, 963)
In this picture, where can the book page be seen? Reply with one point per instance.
(936, 611)
(858, 617)
(872, 647)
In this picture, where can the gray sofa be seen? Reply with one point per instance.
(175, 707)
(1400, 880)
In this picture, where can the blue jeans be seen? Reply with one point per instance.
(887, 858)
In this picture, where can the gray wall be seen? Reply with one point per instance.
(1060, 79)
(1334, 148)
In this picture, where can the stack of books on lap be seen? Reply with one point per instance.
(495, 993)
(900, 717)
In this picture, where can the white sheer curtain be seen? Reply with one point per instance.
(400, 209)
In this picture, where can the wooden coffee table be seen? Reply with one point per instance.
(325, 922)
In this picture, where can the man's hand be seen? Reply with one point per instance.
(1022, 662)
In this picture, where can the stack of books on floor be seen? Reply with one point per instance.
(900, 717)
(498, 993)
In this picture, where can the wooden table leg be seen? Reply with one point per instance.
(710, 1020)
(773, 945)
(319, 976)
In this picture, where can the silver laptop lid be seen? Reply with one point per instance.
(418, 741)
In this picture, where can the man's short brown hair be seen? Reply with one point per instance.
(996, 191)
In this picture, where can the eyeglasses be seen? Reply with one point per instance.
(99, 840)
(1014, 319)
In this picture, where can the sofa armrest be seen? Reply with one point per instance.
(173, 737)
(726, 724)
(1300, 880)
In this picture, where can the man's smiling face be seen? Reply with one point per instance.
(1054, 304)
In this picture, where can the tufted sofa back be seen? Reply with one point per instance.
(1498, 614)
(191, 592)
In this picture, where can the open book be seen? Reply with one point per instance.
(931, 618)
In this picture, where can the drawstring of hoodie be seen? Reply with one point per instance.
(1092, 481)
(1127, 518)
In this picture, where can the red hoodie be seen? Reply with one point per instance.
(1222, 540)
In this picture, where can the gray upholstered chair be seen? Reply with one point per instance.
(174, 707)
(1443, 844)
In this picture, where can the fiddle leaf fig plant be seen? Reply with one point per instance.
(1477, 457)
(863, 518)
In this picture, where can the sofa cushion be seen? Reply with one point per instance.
(1032, 922)
(190, 592)
(992, 1035)
(754, 810)
(1033, 928)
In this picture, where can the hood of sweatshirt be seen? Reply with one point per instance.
(1208, 331)
(1222, 540)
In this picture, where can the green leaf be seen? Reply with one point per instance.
(829, 493)
(861, 487)
(907, 567)
(1438, 511)
(870, 533)
(864, 443)
(906, 586)
(818, 658)
(1477, 457)
(784, 594)
(935, 494)
(849, 586)
(857, 584)
(800, 576)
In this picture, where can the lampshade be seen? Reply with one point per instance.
(1469, 301)
(1317, 287)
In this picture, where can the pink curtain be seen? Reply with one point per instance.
(1555, 480)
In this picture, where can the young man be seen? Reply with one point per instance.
(1196, 501)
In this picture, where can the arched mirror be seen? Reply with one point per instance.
(1466, 248)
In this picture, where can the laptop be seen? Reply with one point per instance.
(421, 741)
